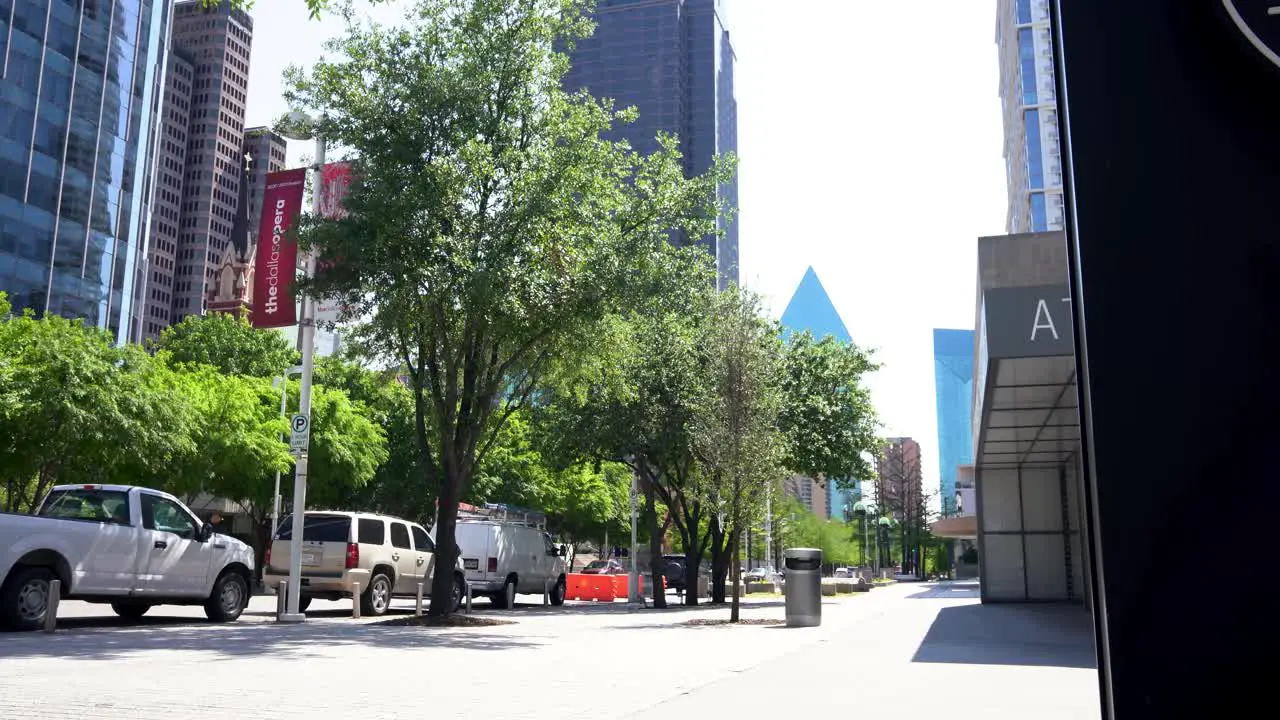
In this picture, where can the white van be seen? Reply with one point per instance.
(507, 550)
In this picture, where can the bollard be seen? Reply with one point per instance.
(468, 598)
(418, 608)
(51, 606)
(355, 601)
(282, 599)
(546, 593)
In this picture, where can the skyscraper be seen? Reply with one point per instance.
(899, 490)
(673, 61)
(214, 44)
(77, 107)
(1032, 152)
(953, 353)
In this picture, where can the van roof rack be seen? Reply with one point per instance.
(503, 513)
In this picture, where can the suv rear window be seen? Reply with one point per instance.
(87, 504)
(373, 531)
(318, 528)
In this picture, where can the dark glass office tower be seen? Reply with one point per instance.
(77, 79)
(672, 60)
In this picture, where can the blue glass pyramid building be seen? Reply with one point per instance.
(810, 309)
(953, 378)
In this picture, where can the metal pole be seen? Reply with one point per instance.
(275, 495)
(633, 582)
(768, 530)
(308, 327)
(51, 606)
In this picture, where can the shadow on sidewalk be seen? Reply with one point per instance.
(949, 590)
(254, 639)
(1048, 635)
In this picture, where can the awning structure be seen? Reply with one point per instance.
(1031, 414)
(964, 527)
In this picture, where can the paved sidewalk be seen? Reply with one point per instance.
(552, 664)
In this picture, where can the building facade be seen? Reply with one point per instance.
(214, 43)
(1032, 151)
(953, 390)
(77, 108)
(673, 61)
(899, 481)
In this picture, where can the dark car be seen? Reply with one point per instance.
(673, 570)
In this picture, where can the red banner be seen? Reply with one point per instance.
(335, 180)
(277, 258)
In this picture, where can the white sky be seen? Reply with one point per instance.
(870, 143)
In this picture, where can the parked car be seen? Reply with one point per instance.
(757, 575)
(506, 551)
(604, 567)
(130, 547)
(843, 572)
(386, 556)
(673, 571)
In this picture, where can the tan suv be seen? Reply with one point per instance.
(387, 556)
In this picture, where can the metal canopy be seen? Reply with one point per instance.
(1029, 413)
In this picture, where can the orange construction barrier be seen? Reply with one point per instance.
(598, 588)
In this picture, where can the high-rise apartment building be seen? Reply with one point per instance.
(214, 43)
(1032, 152)
(673, 61)
(899, 485)
(953, 352)
(77, 103)
(266, 153)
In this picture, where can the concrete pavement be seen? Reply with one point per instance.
(879, 651)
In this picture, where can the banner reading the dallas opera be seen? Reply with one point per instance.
(276, 261)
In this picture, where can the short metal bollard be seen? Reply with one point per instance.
(355, 601)
(468, 598)
(51, 606)
(546, 593)
(282, 599)
(418, 608)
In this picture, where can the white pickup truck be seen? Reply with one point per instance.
(131, 547)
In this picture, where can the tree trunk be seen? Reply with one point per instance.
(655, 548)
(737, 586)
(720, 556)
(692, 560)
(446, 555)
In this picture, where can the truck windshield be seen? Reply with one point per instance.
(93, 504)
(318, 528)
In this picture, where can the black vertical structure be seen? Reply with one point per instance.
(1171, 120)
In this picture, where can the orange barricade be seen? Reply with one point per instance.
(598, 588)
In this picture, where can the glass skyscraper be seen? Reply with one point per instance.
(673, 61)
(1032, 152)
(77, 103)
(953, 354)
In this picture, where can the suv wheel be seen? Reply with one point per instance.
(459, 592)
(376, 599)
(557, 592)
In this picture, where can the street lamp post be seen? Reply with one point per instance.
(303, 127)
(633, 582)
(283, 383)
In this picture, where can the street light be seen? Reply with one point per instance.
(860, 509)
(281, 382)
(300, 126)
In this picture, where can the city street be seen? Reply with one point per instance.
(905, 650)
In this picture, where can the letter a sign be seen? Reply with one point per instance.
(299, 430)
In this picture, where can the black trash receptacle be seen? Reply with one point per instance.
(804, 587)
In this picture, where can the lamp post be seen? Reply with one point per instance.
(860, 509)
(281, 382)
(300, 126)
(633, 582)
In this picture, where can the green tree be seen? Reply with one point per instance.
(827, 418)
(737, 436)
(490, 226)
(228, 344)
(316, 8)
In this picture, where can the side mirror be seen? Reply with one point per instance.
(205, 533)
(564, 550)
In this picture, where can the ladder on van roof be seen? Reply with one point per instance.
(502, 513)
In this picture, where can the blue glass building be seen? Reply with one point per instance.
(811, 309)
(77, 102)
(673, 61)
(953, 383)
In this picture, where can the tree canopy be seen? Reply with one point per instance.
(228, 344)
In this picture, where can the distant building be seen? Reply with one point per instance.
(810, 308)
(900, 488)
(673, 61)
(953, 385)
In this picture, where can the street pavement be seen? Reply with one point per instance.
(903, 651)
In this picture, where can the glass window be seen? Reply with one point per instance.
(1027, 65)
(88, 504)
(1035, 158)
(1039, 222)
(400, 536)
(373, 531)
(421, 540)
(1024, 11)
(165, 515)
(318, 527)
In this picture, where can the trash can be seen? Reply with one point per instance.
(804, 587)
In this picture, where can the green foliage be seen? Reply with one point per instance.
(315, 8)
(229, 345)
(827, 418)
(490, 228)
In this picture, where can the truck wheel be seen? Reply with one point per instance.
(229, 597)
(24, 598)
(130, 610)
(377, 597)
(557, 592)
